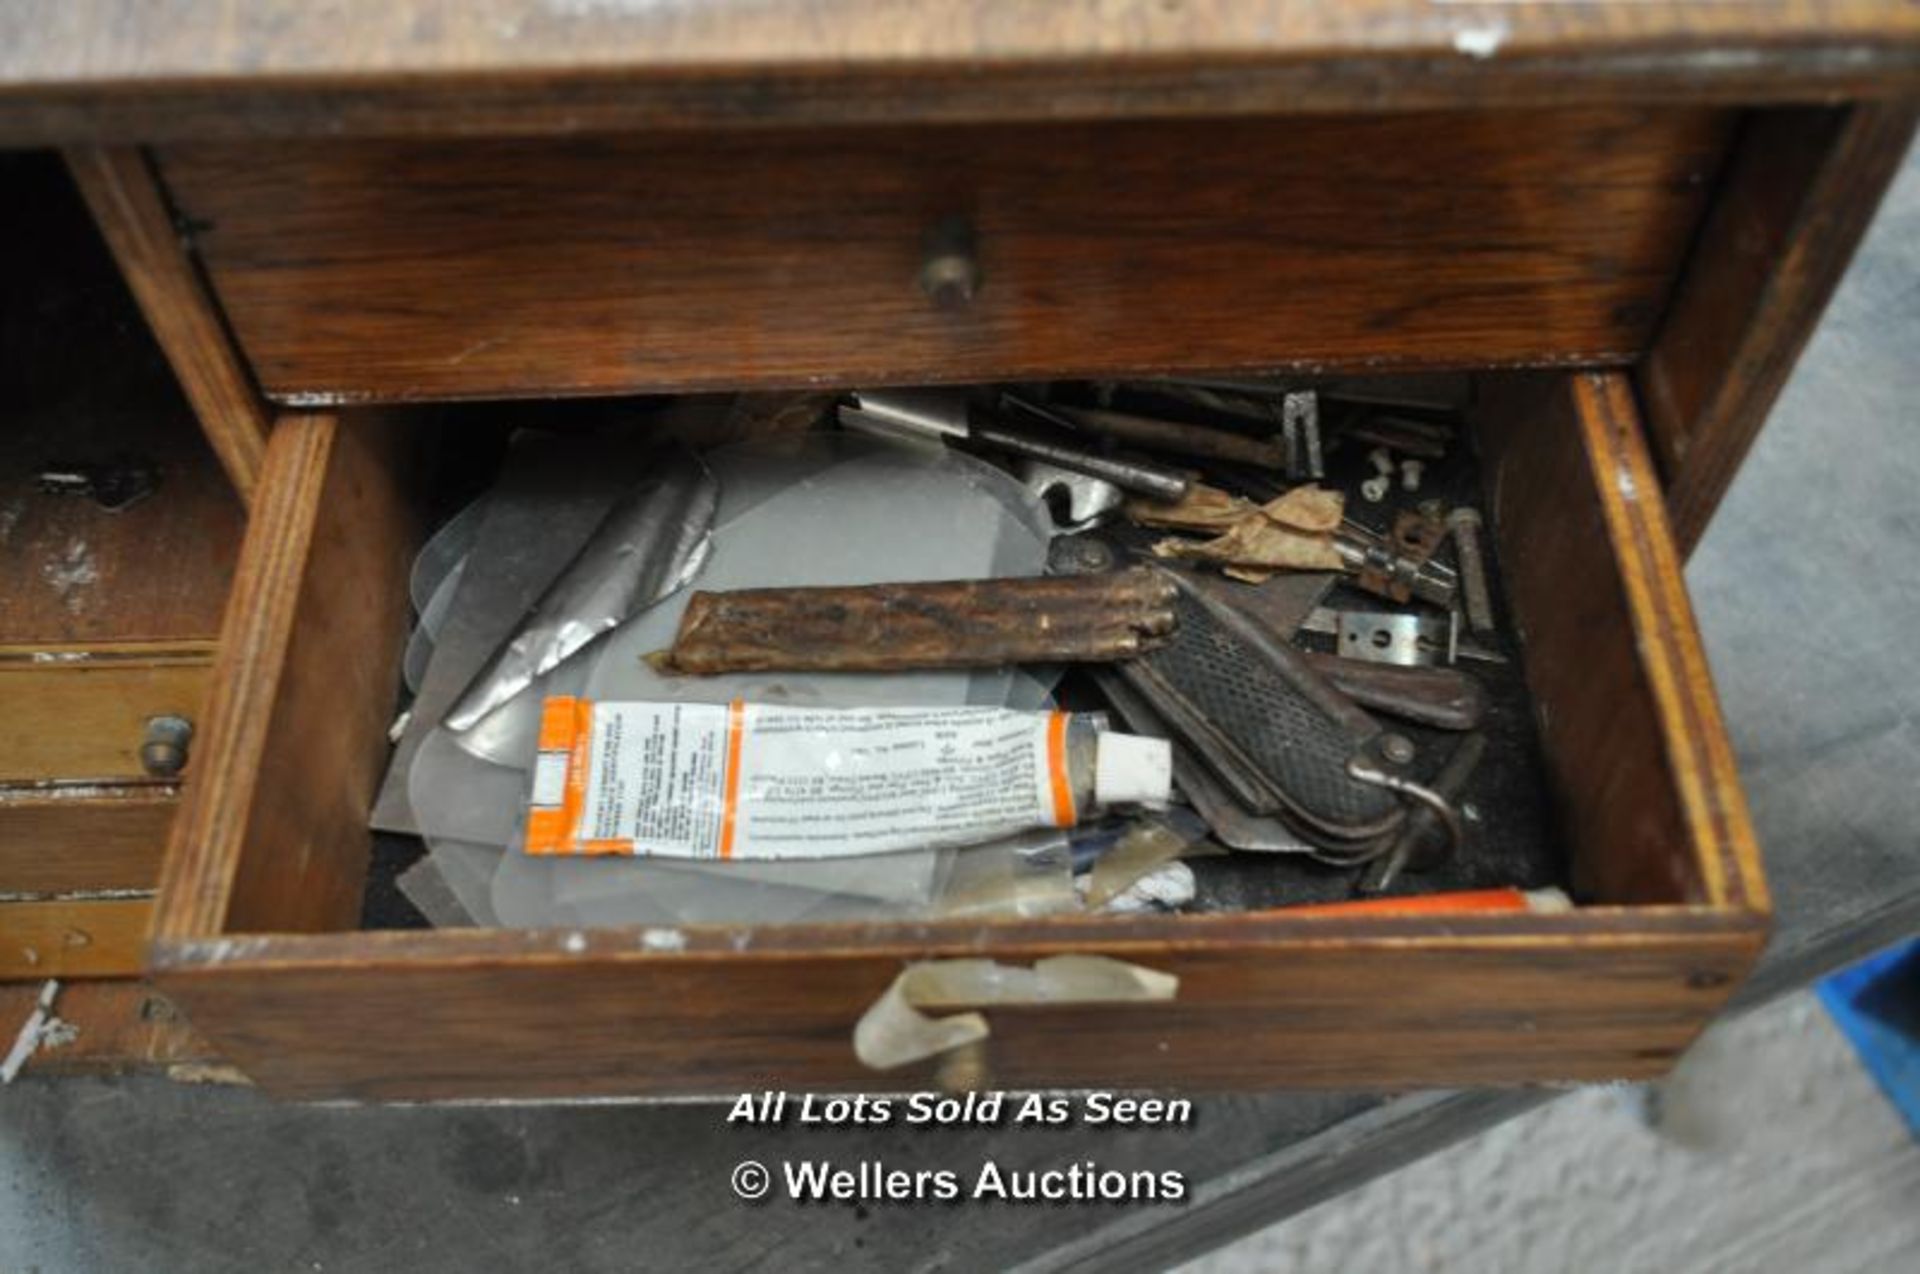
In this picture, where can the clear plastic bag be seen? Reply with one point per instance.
(808, 510)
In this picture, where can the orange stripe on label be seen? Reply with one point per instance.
(566, 725)
(730, 801)
(1063, 811)
(557, 723)
(546, 829)
(576, 798)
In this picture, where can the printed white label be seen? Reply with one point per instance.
(549, 779)
(763, 781)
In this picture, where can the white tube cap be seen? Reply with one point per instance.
(1129, 769)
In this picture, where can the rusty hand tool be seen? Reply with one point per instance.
(941, 624)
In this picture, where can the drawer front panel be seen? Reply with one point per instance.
(385, 270)
(72, 839)
(533, 1015)
(86, 720)
(74, 938)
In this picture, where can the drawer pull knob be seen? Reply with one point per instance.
(950, 266)
(163, 753)
(899, 1027)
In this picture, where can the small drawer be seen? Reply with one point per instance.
(118, 538)
(86, 715)
(382, 270)
(255, 930)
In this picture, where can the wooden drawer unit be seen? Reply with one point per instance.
(1623, 220)
(108, 620)
(262, 890)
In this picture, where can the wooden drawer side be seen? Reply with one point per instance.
(1649, 795)
(272, 832)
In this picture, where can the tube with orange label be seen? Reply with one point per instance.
(771, 781)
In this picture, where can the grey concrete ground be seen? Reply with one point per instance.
(1776, 1156)
(1775, 1153)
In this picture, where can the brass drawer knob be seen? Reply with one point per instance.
(163, 753)
(950, 264)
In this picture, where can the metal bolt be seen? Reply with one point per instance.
(163, 753)
(1410, 471)
(1464, 525)
(1374, 489)
(1300, 430)
(1382, 461)
(1397, 748)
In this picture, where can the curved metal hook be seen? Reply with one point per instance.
(1363, 772)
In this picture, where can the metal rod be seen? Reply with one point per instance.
(945, 415)
(1176, 436)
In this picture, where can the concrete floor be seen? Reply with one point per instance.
(1774, 1152)
(1775, 1155)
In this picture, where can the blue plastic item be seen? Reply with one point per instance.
(1876, 1005)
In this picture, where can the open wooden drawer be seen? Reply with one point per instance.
(254, 934)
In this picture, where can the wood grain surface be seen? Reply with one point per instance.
(88, 69)
(356, 271)
(1643, 774)
(85, 719)
(60, 840)
(1266, 999)
(1800, 190)
(272, 834)
(1699, 756)
(84, 385)
(74, 938)
(989, 623)
(1263, 1003)
(119, 1024)
(133, 216)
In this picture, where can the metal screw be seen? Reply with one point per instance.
(1397, 748)
(1078, 555)
(155, 1009)
(1464, 525)
(1374, 489)
(950, 265)
(163, 754)
(1410, 471)
(964, 1069)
